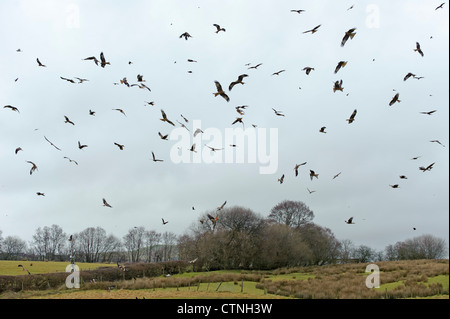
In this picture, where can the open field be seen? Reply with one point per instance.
(398, 279)
(10, 267)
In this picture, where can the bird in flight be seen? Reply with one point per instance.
(120, 146)
(322, 129)
(154, 159)
(407, 76)
(395, 99)
(338, 86)
(121, 111)
(163, 137)
(52, 144)
(68, 121)
(350, 221)
(39, 63)
(281, 179)
(348, 35)
(238, 120)
(81, 146)
(307, 69)
(213, 220)
(165, 119)
(278, 113)
(71, 160)
(24, 269)
(33, 167)
(352, 117)
(278, 72)
(103, 60)
(297, 166)
(218, 28)
(255, 66)
(336, 175)
(440, 6)
(436, 141)
(313, 174)
(429, 112)
(13, 108)
(66, 79)
(105, 203)
(418, 49)
(186, 35)
(164, 221)
(310, 191)
(222, 206)
(428, 168)
(197, 131)
(220, 91)
(40, 194)
(213, 149)
(91, 112)
(17, 150)
(394, 186)
(93, 58)
(239, 80)
(403, 177)
(340, 65)
(313, 30)
(298, 11)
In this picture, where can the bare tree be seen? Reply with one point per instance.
(422, 247)
(152, 239)
(321, 241)
(133, 242)
(49, 241)
(291, 213)
(13, 248)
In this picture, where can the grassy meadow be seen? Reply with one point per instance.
(398, 280)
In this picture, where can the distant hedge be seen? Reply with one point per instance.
(56, 280)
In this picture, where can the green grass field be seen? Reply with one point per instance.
(10, 267)
(403, 279)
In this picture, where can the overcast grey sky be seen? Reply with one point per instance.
(371, 153)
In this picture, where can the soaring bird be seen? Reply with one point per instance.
(340, 65)
(218, 28)
(238, 120)
(186, 35)
(17, 150)
(13, 108)
(394, 186)
(407, 76)
(255, 66)
(197, 131)
(322, 129)
(40, 194)
(336, 175)
(163, 137)
(308, 69)
(352, 117)
(192, 148)
(278, 72)
(436, 141)
(278, 113)
(120, 146)
(440, 6)
(239, 80)
(154, 159)
(220, 91)
(33, 167)
(165, 119)
(429, 112)
(66, 79)
(81, 146)
(310, 191)
(105, 203)
(338, 86)
(71, 160)
(403, 177)
(222, 206)
(297, 167)
(52, 144)
(428, 168)
(164, 221)
(68, 121)
(350, 221)
(281, 179)
(24, 269)
(213, 149)
(418, 49)
(140, 78)
(348, 35)
(313, 174)
(103, 60)
(298, 11)
(91, 112)
(93, 58)
(395, 99)
(39, 63)
(213, 220)
(313, 30)
(121, 111)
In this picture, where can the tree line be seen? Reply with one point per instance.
(232, 238)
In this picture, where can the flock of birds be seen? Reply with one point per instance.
(222, 91)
